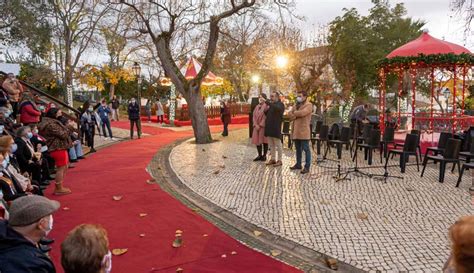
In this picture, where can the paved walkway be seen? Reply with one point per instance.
(397, 226)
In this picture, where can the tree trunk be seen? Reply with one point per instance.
(198, 116)
(111, 91)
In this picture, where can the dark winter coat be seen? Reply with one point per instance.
(274, 119)
(56, 134)
(19, 255)
(23, 154)
(225, 114)
(133, 111)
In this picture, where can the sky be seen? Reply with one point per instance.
(441, 22)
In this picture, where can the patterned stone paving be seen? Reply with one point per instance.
(388, 227)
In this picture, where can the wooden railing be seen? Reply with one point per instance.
(212, 112)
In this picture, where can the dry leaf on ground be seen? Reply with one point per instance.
(142, 235)
(233, 253)
(223, 256)
(117, 197)
(224, 157)
(275, 252)
(216, 172)
(179, 270)
(325, 202)
(65, 208)
(332, 263)
(143, 214)
(362, 216)
(257, 233)
(151, 181)
(205, 235)
(119, 251)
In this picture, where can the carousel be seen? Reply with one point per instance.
(423, 66)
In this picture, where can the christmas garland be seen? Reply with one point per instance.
(432, 59)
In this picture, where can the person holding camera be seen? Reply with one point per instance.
(274, 114)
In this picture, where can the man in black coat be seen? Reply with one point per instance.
(273, 128)
(134, 117)
(30, 220)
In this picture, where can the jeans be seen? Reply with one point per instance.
(76, 151)
(275, 147)
(226, 130)
(106, 123)
(138, 125)
(160, 119)
(303, 145)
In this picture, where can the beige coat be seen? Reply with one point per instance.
(301, 120)
(13, 88)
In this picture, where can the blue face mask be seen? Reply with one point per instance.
(7, 114)
(29, 135)
(14, 148)
(5, 163)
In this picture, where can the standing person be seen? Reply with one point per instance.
(273, 128)
(89, 121)
(159, 111)
(29, 111)
(86, 249)
(225, 117)
(134, 117)
(58, 141)
(115, 108)
(148, 110)
(30, 219)
(258, 132)
(104, 112)
(14, 90)
(301, 134)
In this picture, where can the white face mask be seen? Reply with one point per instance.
(107, 262)
(1, 194)
(50, 225)
(299, 99)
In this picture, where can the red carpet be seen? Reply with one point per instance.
(120, 170)
(242, 119)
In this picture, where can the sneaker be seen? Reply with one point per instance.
(106, 138)
(296, 167)
(304, 171)
(114, 139)
(271, 162)
(277, 163)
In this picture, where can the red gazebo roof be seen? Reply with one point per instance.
(427, 45)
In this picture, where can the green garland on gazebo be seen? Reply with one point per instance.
(433, 59)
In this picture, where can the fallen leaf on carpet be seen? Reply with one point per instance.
(178, 231)
(275, 252)
(119, 251)
(216, 172)
(362, 216)
(65, 208)
(151, 181)
(257, 233)
(223, 256)
(233, 253)
(179, 270)
(224, 157)
(196, 209)
(205, 235)
(143, 214)
(117, 197)
(142, 235)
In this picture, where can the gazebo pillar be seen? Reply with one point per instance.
(463, 94)
(399, 95)
(454, 116)
(432, 98)
(413, 100)
(382, 80)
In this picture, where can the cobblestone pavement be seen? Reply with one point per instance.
(397, 226)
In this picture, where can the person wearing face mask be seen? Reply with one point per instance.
(30, 220)
(28, 159)
(7, 121)
(89, 122)
(59, 141)
(225, 117)
(14, 90)
(86, 249)
(104, 112)
(9, 186)
(258, 137)
(134, 117)
(273, 123)
(39, 142)
(301, 133)
(29, 111)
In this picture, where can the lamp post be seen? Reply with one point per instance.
(137, 71)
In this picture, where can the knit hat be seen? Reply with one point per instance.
(29, 209)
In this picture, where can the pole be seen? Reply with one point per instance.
(382, 99)
(400, 90)
(455, 124)
(463, 93)
(413, 100)
(139, 106)
(432, 97)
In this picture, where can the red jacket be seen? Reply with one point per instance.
(29, 114)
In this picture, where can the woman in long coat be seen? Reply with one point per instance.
(258, 133)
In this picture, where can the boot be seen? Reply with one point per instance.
(60, 190)
(259, 150)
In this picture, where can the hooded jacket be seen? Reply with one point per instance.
(19, 255)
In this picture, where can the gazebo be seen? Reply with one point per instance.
(432, 55)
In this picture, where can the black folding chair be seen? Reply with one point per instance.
(450, 155)
(439, 149)
(334, 133)
(344, 139)
(388, 138)
(373, 143)
(468, 154)
(418, 145)
(465, 166)
(321, 138)
(409, 149)
(286, 133)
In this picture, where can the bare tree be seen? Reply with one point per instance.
(76, 23)
(464, 9)
(169, 23)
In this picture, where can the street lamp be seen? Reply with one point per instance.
(137, 71)
(281, 61)
(255, 78)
